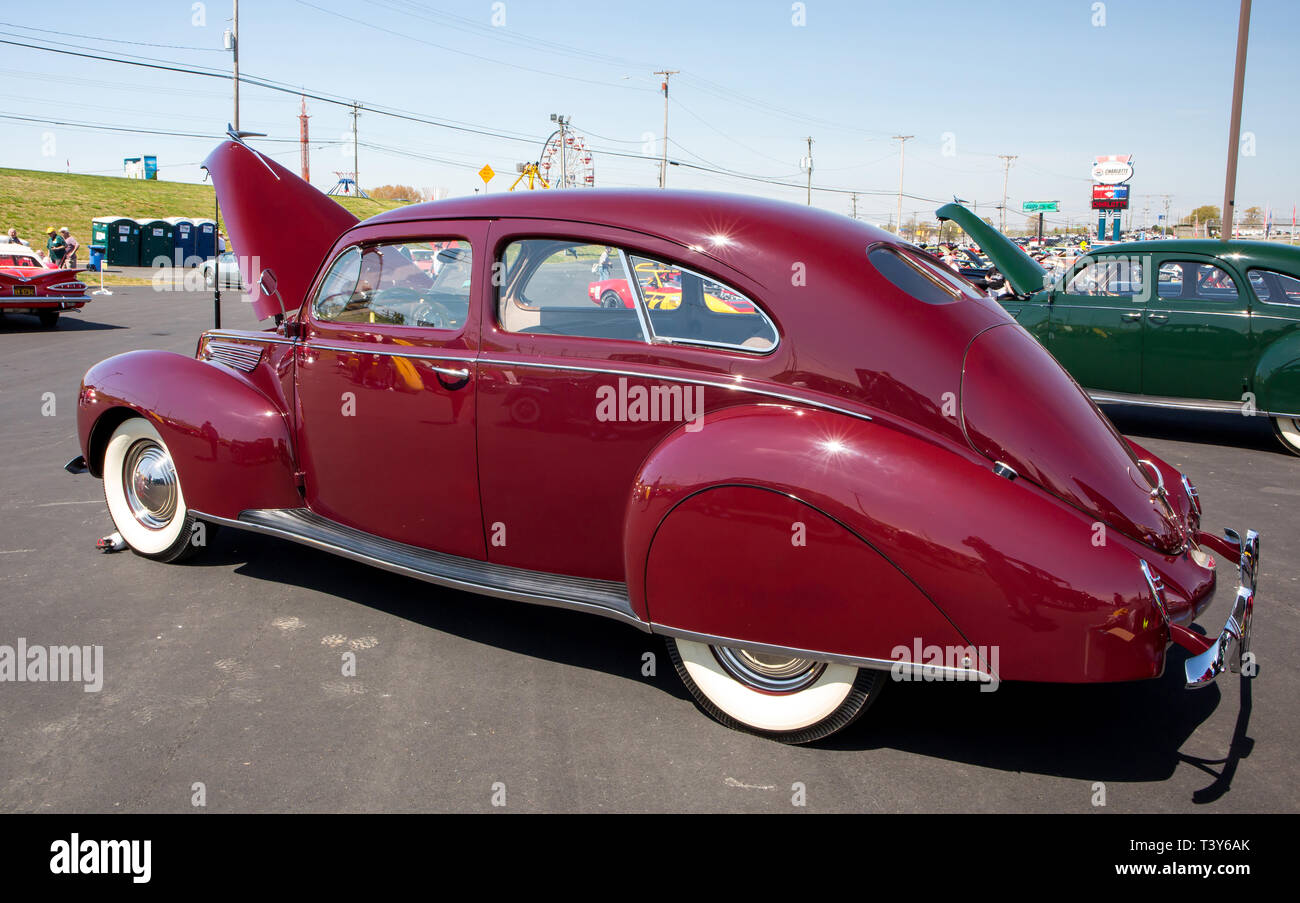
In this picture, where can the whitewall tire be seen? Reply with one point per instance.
(1288, 432)
(788, 699)
(144, 494)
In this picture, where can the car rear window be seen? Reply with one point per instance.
(920, 278)
(1275, 287)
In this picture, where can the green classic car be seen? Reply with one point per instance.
(1200, 325)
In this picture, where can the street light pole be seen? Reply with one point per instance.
(902, 140)
(1234, 126)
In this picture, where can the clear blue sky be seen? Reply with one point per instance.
(1039, 80)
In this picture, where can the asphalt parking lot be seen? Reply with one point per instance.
(226, 671)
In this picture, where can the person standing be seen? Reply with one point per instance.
(55, 246)
(70, 246)
(15, 240)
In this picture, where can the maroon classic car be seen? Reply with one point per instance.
(874, 471)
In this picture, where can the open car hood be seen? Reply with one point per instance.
(1023, 272)
(276, 221)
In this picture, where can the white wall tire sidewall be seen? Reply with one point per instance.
(765, 711)
(1288, 430)
(138, 536)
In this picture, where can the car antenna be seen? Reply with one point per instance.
(216, 254)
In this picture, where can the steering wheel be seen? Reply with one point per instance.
(432, 314)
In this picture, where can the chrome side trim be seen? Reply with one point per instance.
(249, 336)
(602, 597)
(1186, 404)
(875, 664)
(701, 380)
(390, 351)
(1157, 587)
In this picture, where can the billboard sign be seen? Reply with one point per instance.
(1110, 197)
(1113, 169)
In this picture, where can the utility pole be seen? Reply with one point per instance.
(663, 162)
(1234, 126)
(1167, 223)
(902, 140)
(234, 49)
(304, 152)
(808, 160)
(356, 170)
(854, 197)
(1006, 171)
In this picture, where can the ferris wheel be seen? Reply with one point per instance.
(566, 161)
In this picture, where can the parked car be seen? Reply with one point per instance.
(227, 265)
(661, 287)
(1190, 325)
(30, 286)
(802, 499)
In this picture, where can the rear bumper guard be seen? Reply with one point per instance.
(1212, 655)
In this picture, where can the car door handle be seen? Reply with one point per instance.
(1158, 317)
(456, 375)
(1135, 315)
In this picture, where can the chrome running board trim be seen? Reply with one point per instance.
(1183, 404)
(601, 597)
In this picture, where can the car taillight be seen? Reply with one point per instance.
(68, 287)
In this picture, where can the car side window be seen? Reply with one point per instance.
(1274, 287)
(424, 283)
(571, 288)
(1193, 281)
(1108, 277)
(694, 309)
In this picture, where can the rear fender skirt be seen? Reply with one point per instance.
(231, 444)
(1003, 562)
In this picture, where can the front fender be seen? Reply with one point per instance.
(231, 444)
(1277, 376)
(1004, 565)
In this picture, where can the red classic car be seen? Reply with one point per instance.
(873, 471)
(28, 286)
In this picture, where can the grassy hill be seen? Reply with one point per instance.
(31, 201)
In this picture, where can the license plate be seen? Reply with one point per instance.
(24, 290)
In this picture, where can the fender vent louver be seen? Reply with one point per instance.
(233, 355)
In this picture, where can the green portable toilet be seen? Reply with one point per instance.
(156, 241)
(121, 239)
(99, 230)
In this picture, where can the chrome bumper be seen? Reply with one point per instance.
(1234, 642)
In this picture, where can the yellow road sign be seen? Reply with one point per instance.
(486, 174)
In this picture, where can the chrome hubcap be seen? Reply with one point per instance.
(771, 672)
(149, 479)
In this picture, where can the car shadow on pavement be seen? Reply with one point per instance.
(554, 634)
(16, 323)
(1203, 427)
(1127, 732)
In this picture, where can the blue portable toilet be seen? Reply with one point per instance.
(205, 242)
(184, 240)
